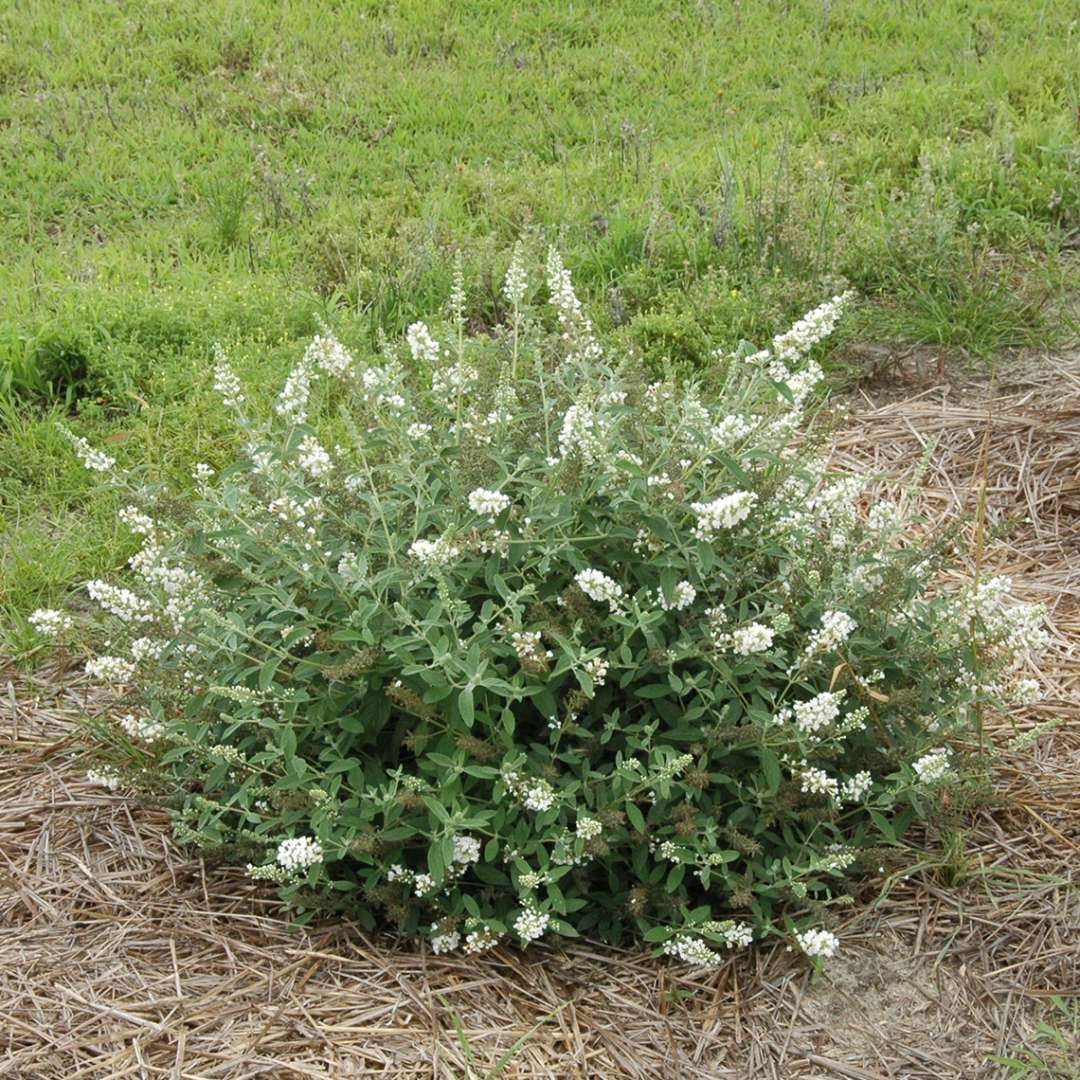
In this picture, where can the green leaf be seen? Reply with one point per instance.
(770, 766)
(465, 706)
(439, 812)
(884, 825)
(436, 862)
(637, 819)
(653, 691)
(341, 765)
(287, 740)
(268, 671)
(398, 832)
(733, 467)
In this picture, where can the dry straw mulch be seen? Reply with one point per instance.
(121, 955)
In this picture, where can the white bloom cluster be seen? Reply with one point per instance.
(837, 858)
(725, 512)
(531, 879)
(596, 669)
(123, 603)
(672, 768)
(800, 385)
(226, 382)
(835, 503)
(137, 521)
(269, 872)
(450, 381)
(106, 776)
(531, 924)
(95, 460)
(356, 484)
(822, 709)
(49, 621)
(329, 355)
(528, 644)
(813, 327)
(588, 828)
(444, 942)
(314, 459)
(457, 290)
(480, 940)
(668, 849)
(648, 543)
(756, 359)
(294, 512)
(736, 934)
(418, 430)
(292, 402)
(113, 669)
(693, 950)
(488, 503)
(576, 328)
(299, 852)
(434, 553)
(817, 943)
(424, 348)
(184, 589)
(261, 457)
(716, 619)
(517, 279)
(1018, 629)
(582, 433)
(836, 627)
(817, 781)
(754, 637)
(1026, 691)
(141, 728)
(883, 516)
(226, 752)
(599, 587)
(466, 850)
(727, 431)
(932, 766)
(243, 695)
(855, 788)
(535, 795)
(855, 720)
(538, 796)
(381, 386)
(683, 595)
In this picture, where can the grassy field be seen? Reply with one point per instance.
(175, 175)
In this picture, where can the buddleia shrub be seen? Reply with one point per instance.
(492, 638)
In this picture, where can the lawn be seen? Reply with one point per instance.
(177, 175)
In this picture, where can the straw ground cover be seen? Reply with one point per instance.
(235, 171)
(124, 957)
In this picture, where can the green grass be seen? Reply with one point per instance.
(175, 174)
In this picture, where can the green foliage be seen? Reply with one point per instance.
(539, 644)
